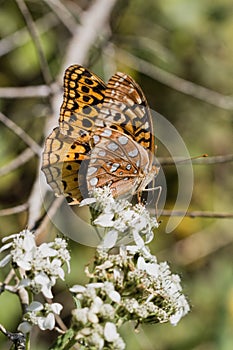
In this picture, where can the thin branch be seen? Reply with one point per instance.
(92, 24)
(47, 218)
(227, 158)
(206, 242)
(3, 329)
(108, 57)
(14, 210)
(179, 84)
(9, 277)
(150, 45)
(21, 133)
(21, 159)
(21, 36)
(198, 214)
(35, 37)
(25, 91)
(215, 159)
(64, 15)
(18, 338)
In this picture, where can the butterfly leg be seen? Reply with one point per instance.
(159, 189)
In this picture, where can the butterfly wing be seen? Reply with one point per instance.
(125, 108)
(88, 110)
(67, 146)
(61, 161)
(83, 97)
(117, 161)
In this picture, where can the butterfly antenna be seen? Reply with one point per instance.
(192, 158)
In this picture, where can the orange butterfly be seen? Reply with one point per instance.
(105, 137)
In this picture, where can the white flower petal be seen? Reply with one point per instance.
(24, 327)
(14, 235)
(95, 285)
(96, 305)
(106, 265)
(141, 264)
(105, 220)
(46, 251)
(110, 332)
(138, 239)
(92, 317)
(35, 306)
(23, 263)
(47, 322)
(151, 268)
(25, 282)
(132, 249)
(56, 308)
(29, 242)
(77, 289)
(174, 319)
(5, 246)
(149, 237)
(46, 284)
(68, 266)
(5, 260)
(115, 296)
(46, 290)
(87, 201)
(110, 239)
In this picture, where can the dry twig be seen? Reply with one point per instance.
(197, 214)
(206, 242)
(21, 159)
(35, 36)
(21, 36)
(25, 91)
(226, 158)
(179, 84)
(14, 210)
(92, 22)
(51, 212)
(21, 133)
(64, 15)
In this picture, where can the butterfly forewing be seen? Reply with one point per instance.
(82, 100)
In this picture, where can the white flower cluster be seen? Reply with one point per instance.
(158, 296)
(127, 286)
(152, 293)
(124, 223)
(42, 265)
(94, 318)
(38, 268)
(41, 315)
(126, 283)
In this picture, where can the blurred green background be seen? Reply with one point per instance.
(192, 40)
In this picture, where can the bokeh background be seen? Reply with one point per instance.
(181, 53)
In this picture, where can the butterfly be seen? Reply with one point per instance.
(104, 138)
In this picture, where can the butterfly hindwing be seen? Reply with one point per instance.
(125, 108)
(116, 160)
(62, 159)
